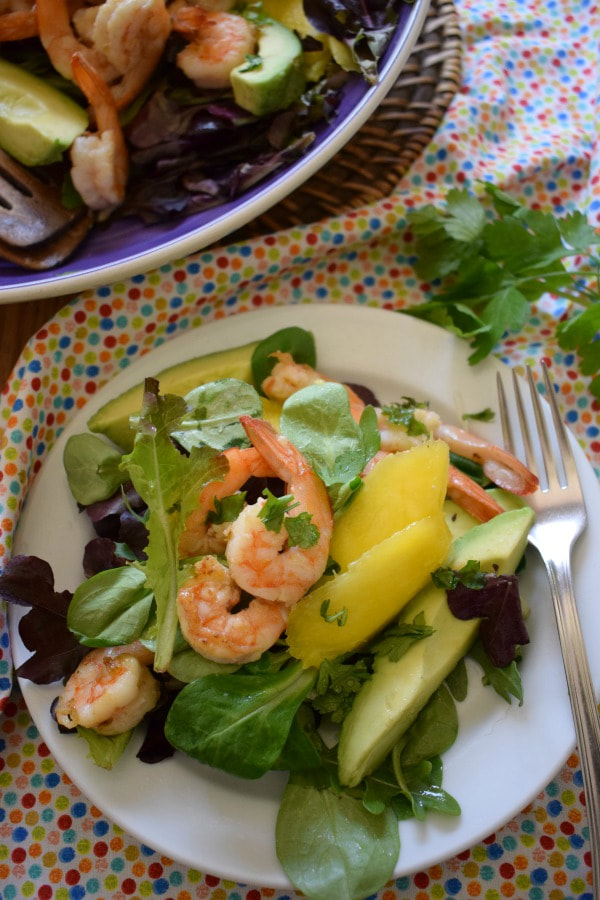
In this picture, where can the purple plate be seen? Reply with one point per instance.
(128, 247)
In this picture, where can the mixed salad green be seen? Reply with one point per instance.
(332, 840)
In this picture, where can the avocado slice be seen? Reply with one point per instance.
(390, 701)
(37, 122)
(275, 78)
(112, 419)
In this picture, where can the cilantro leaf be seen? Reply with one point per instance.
(274, 510)
(470, 576)
(491, 264)
(484, 415)
(301, 531)
(402, 413)
(337, 684)
(227, 509)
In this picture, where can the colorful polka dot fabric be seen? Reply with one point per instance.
(526, 119)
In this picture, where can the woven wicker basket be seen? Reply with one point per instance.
(371, 164)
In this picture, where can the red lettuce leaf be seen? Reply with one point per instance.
(29, 581)
(498, 604)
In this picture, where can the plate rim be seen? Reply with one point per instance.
(281, 313)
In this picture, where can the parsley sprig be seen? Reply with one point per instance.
(492, 267)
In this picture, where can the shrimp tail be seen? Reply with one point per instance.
(276, 450)
(470, 496)
(498, 464)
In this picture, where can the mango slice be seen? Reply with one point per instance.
(402, 488)
(369, 594)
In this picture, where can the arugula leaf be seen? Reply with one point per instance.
(493, 263)
(505, 680)
(169, 483)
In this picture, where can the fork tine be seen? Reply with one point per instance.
(547, 459)
(535, 464)
(507, 432)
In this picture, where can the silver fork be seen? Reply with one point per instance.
(560, 518)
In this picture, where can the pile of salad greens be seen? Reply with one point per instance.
(272, 714)
(192, 149)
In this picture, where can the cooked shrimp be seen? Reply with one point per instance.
(132, 35)
(99, 160)
(218, 42)
(395, 438)
(206, 604)
(122, 39)
(201, 537)
(288, 376)
(260, 560)
(111, 690)
(498, 464)
(60, 42)
(470, 496)
(18, 20)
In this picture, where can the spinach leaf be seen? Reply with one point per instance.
(304, 744)
(330, 845)
(294, 340)
(214, 415)
(458, 681)
(110, 608)
(240, 722)
(187, 665)
(433, 731)
(169, 483)
(92, 467)
(317, 419)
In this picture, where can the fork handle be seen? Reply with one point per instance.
(583, 699)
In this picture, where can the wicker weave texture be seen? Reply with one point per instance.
(368, 168)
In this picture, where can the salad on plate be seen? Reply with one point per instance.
(286, 575)
(160, 110)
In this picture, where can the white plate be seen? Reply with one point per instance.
(504, 754)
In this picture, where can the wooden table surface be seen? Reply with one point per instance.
(18, 322)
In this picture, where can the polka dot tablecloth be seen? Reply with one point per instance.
(526, 119)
